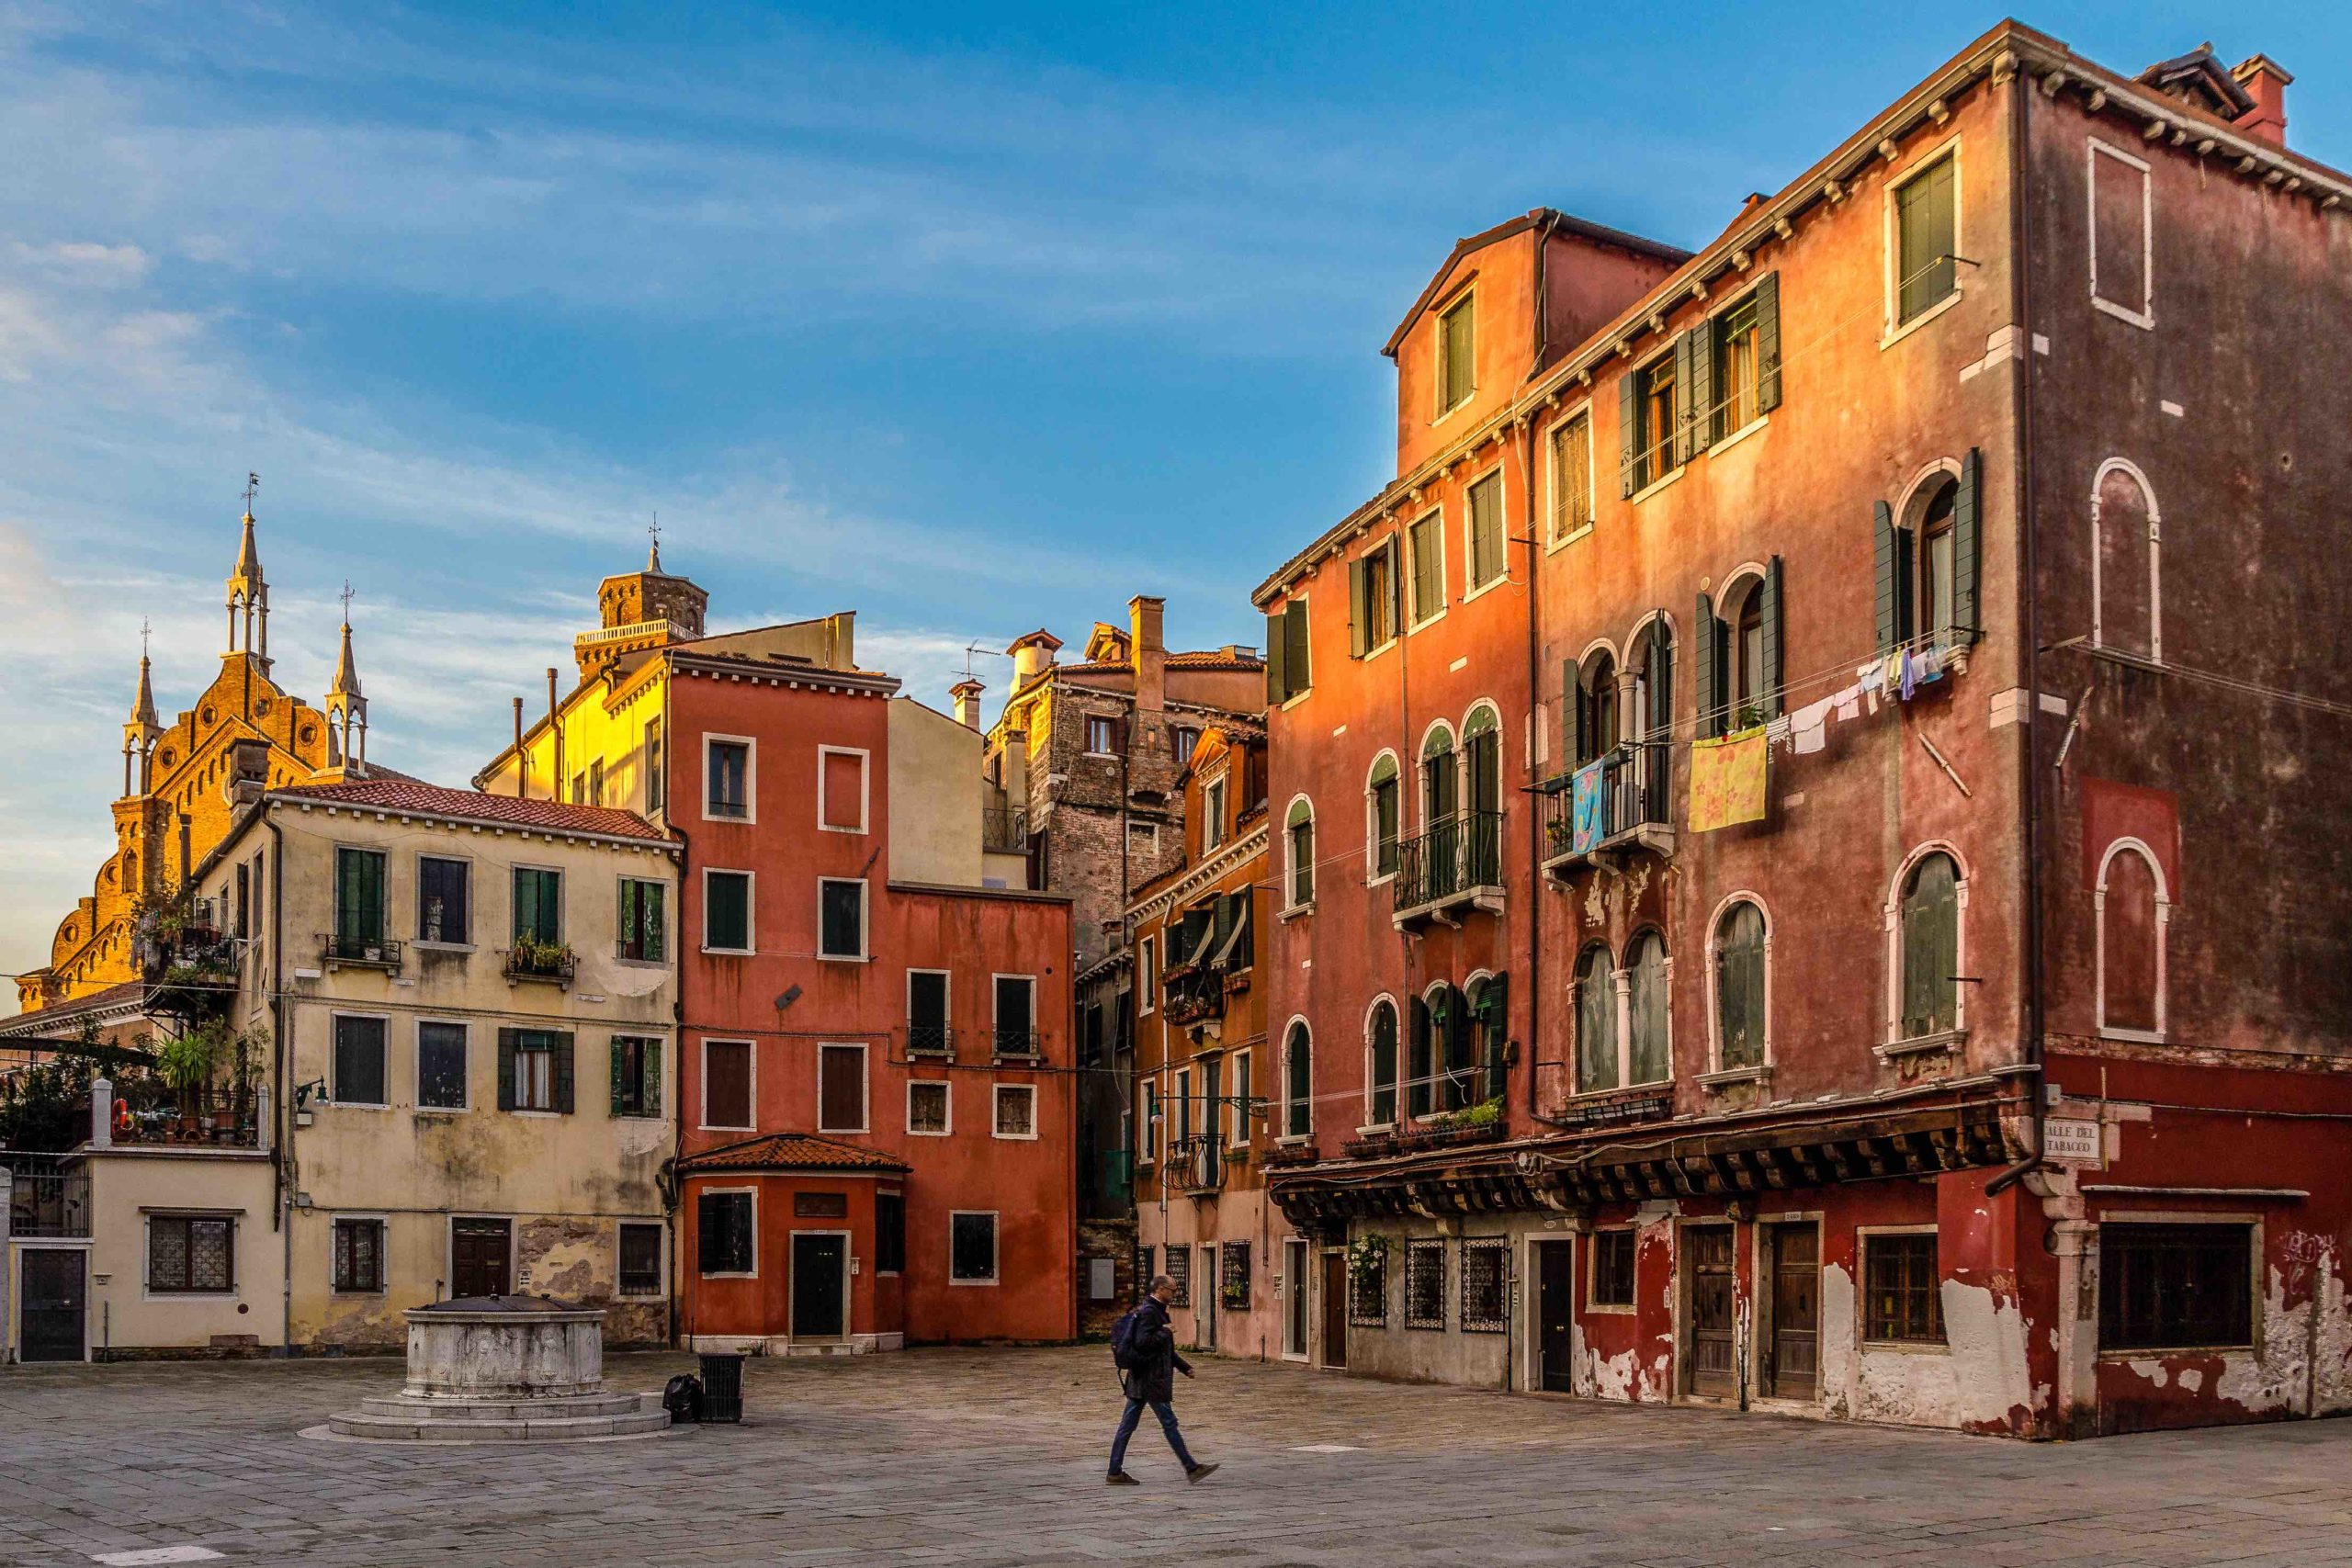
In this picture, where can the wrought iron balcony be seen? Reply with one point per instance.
(1015, 1044)
(381, 953)
(933, 1040)
(1004, 829)
(1195, 1165)
(1632, 810)
(1458, 861)
(46, 1198)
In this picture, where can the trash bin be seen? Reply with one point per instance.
(722, 1389)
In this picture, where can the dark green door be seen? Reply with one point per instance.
(818, 1284)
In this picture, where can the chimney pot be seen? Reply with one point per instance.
(2265, 81)
(1147, 649)
(968, 703)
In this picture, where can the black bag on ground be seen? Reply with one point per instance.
(682, 1397)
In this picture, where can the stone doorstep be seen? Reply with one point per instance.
(402, 1408)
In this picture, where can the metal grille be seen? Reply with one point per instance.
(1236, 1269)
(1179, 1269)
(1368, 1292)
(1425, 1284)
(1486, 1286)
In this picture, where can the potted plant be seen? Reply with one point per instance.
(186, 1064)
(1367, 1256)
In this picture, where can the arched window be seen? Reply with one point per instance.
(1490, 1029)
(1299, 833)
(2132, 911)
(1648, 1039)
(1739, 987)
(1654, 681)
(2125, 614)
(131, 869)
(1935, 554)
(1596, 707)
(1298, 1104)
(1421, 1054)
(1379, 1079)
(1380, 817)
(1440, 786)
(1596, 1021)
(1930, 935)
(1747, 654)
(1454, 1035)
(1481, 759)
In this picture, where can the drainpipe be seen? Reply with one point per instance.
(1535, 815)
(282, 1157)
(522, 758)
(678, 1003)
(555, 729)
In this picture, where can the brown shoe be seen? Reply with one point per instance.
(1199, 1472)
(1120, 1478)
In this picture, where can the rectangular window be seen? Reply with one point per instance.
(1372, 599)
(644, 935)
(727, 1083)
(656, 781)
(971, 1249)
(726, 911)
(889, 1232)
(1245, 1114)
(2176, 1286)
(1212, 814)
(191, 1255)
(580, 789)
(1486, 1286)
(1613, 1268)
(1902, 1287)
(1738, 359)
(2120, 205)
(1183, 1109)
(1016, 1111)
(441, 1067)
(726, 770)
(1654, 396)
(1016, 1015)
(841, 1088)
(927, 1027)
(636, 1075)
(358, 1257)
(1147, 976)
(928, 1112)
(358, 902)
(1368, 1290)
(1150, 1123)
(841, 786)
(1425, 544)
(1179, 1269)
(1486, 508)
(641, 1260)
(240, 925)
(1235, 1276)
(1102, 734)
(723, 1234)
(359, 1061)
(841, 917)
(1425, 1284)
(1181, 740)
(1457, 338)
(1571, 477)
(531, 1073)
(539, 906)
(443, 904)
(597, 781)
(1927, 215)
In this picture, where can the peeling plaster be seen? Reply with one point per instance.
(1979, 1378)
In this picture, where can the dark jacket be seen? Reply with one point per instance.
(1154, 1346)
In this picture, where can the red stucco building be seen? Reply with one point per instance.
(1819, 766)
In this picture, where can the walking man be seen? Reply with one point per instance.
(1144, 1348)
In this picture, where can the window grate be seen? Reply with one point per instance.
(1368, 1291)
(1236, 1271)
(1425, 1284)
(1486, 1286)
(1179, 1269)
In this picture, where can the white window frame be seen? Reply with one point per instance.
(865, 1087)
(416, 873)
(1241, 1082)
(662, 1289)
(1414, 619)
(1554, 538)
(1892, 913)
(2128, 844)
(996, 1109)
(234, 1218)
(1036, 1024)
(383, 1248)
(1392, 543)
(947, 1094)
(416, 1068)
(751, 1192)
(750, 778)
(1374, 875)
(2144, 315)
(1890, 241)
(751, 1078)
(1292, 903)
(1592, 1270)
(1183, 1097)
(864, 953)
(1502, 531)
(1213, 794)
(1293, 1092)
(750, 910)
(1715, 1067)
(1147, 1114)
(334, 1074)
(335, 882)
(996, 1248)
(1147, 976)
(1671, 470)
(1397, 1085)
(946, 1000)
(865, 788)
(2155, 558)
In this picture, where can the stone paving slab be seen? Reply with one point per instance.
(994, 1459)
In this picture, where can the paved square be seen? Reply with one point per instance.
(996, 1458)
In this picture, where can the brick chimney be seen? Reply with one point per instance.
(1033, 656)
(1148, 649)
(966, 694)
(2265, 81)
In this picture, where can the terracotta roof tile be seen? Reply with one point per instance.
(424, 799)
(791, 1151)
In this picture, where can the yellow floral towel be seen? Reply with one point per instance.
(1727, 780)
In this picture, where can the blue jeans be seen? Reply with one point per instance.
(1127, 1421)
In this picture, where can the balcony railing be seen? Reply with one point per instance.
(1195, 1165)
(933, 1040)
(383, 952)
(1633, 808)
(46, 1198)
(533, 961)
(1454, 862)
(1004, 829)
(1017, 1044)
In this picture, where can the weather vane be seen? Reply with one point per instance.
(145, 631)
(346, 601)
(252, 488)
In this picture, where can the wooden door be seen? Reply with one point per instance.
(1295, 1282)
(479, 1251)
(1710, 1366)
(1792, 1359)
(818, 1297)
(1335, 1309)
(48, 1321)
(1205, 1299)
(1555, 1297)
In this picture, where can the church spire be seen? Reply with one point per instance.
(144, 727)
(346, 706)
(248, 590)
(654, 555)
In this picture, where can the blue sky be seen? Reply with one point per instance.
(971, 318)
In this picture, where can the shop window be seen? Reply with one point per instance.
(2176, 1286)
(1901, 1288)
(1612, 1269)
(641, 1271)
(723, 1234)
(358, 1257)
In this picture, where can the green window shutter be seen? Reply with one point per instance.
(1629, 437)
(1681, 444)
(506, 1069)
(619, 1052)
(1767, 343)
(1417, 1060)
(1965, 533)
(1768, 611)
(1275, 694)
(1705, 644)
(1889, 590)
(1358, 608)
(653, 1096)
(1661, 676)
(563, 1074)
(1396, 588)
(1294, 660)
(1702, 404)
(1574, 742)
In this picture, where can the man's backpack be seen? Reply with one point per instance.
(1124, 1353)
